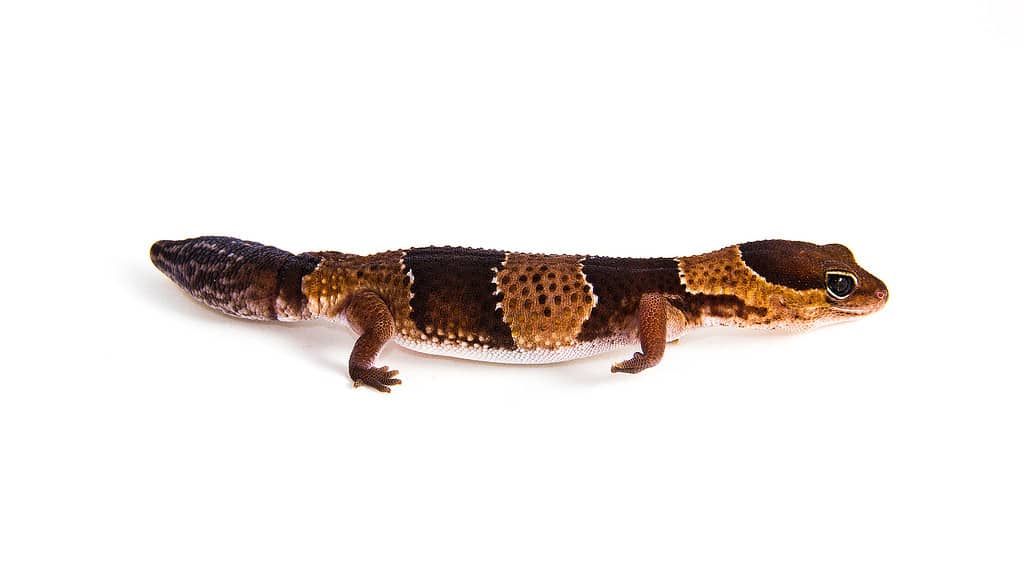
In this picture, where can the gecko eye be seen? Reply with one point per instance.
(840, 284)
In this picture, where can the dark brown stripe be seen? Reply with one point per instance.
(289, 284)
(795, 265)
(619, 283)
(697, 306)
(453, 291)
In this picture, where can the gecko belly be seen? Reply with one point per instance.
(520, 356)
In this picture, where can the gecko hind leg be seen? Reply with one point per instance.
(369, 316)
(653, 330)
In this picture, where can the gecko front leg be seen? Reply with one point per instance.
(369, 316)
(653, 331)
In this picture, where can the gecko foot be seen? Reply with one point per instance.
(378, 378)
(637, 363)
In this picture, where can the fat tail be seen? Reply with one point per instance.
(237, 277)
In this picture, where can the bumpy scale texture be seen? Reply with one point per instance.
(514, 307)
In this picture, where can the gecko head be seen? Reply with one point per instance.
(829, 285)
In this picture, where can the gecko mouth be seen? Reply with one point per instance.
(854, 311)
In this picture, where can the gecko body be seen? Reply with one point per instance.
(513, 307)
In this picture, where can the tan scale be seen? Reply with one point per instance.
(544, 302)
(340, 275)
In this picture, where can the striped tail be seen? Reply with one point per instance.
(240, 278)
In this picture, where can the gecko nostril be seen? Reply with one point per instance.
(882, 294)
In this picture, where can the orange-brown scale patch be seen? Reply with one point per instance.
(340, 275)
(544, 301)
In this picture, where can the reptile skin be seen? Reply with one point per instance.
(513, 307)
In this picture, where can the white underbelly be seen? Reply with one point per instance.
(473, 351)
(535, 356)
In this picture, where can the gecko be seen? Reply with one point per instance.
(514, 307)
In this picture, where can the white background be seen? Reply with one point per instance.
(143, 434)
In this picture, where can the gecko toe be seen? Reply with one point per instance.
(631, 366)
(380, 379)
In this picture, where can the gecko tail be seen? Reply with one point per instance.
(238, 277)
